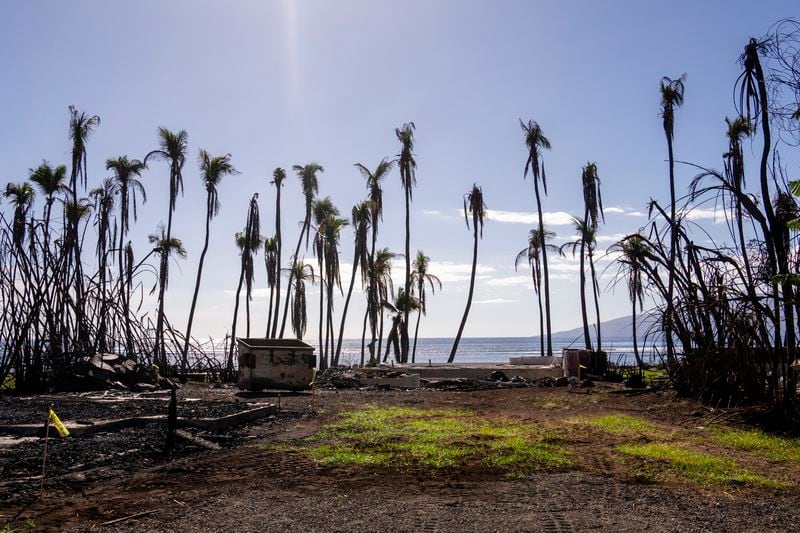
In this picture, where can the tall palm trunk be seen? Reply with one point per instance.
(587, 340)
(306, 222)
(404, 325)
(636, 355)
(373, 303)
(185, 352)
(344, 312)
(229, 367)
(322, 352)
(673, 244)
(274, 331)
(269, 311)
(596, 300)
(545, 271)
(469, 295)
(364, 337)
(541, 319)
(416, 333)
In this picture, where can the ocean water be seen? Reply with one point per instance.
(495, 350)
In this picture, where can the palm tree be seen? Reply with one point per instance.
(81, 127)
(533, 254)
(385, 287)
(307, 174)
(273, 267)
(103, 205)
(21, 195)
(50, 181)
(360, 217)
(586, 236)
(248, 241)
(302, 273)
(420, 277)
(212, 170)
(323, 210)
(671, 98)
(278, 177)
(408, 179)
(126, 174)
(633, 251)
(165, 247)
(331, 233)
(536, 142)
(593, 212)
(172, 148)
(475, 206)
(398, 311)
(375, 193)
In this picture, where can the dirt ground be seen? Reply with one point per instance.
(254, 485)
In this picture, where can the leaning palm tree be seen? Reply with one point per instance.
(420, 276)
(375, 194)
(297, 295)
(408, 179)
(671, 98)
(532, 253)
(172, 149)
(126, 174)
(278, 177)
(309, 182)
(473, 206)
(212, 170)
(81, 127)
(536, 142)
(360, 218)
(633, 252)
(165, 247)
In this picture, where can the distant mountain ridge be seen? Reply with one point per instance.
(616, 329)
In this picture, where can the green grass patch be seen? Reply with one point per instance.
(395, 436)
(764, 444)
(623, 425)
(695, 466)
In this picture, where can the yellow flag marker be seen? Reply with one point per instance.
(61, 428)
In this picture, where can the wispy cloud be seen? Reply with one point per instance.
(509, 281)
(494, 301)
(716, 215)
(615, 210)
(554, 218)
(435, 213)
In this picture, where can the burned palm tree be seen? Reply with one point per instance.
(323, 210)
(103, 197)
(50, 181)
(536, 143)
(297, 295)
(671, 98)
(408, 179)
(172, 149)
(585, 240)
(402, 305)
(593, 213)
(21, 196)
(249, 242)
(385, 287)
(420, 276)
(212, 170)
(360, 218)
(331, 233)
(278, 177)
(532, 253)
(81, 126)
(165, 247)
(309, 182)
(474, 207)
(273, 274)
(126, 174)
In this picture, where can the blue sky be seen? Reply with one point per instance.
(282, 82)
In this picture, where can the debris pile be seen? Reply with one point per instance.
(105, 371)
